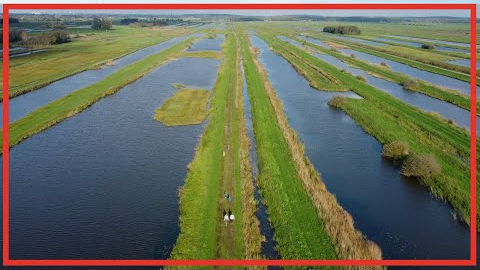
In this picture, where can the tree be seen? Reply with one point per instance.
(101, 23)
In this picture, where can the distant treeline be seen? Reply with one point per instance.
(37, 40)
(247, 19)
(128, 21)
(343, 30)
(10, 20)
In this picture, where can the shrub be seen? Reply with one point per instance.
(385, 65)
(428, 46)
(337, 101)
(396, 150)
(410, 84)
(47, 38)
(353, 56)
(421, 166)
(361, 78)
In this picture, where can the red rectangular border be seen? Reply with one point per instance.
(411, 262)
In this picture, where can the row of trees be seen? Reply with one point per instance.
(343, 30)
(102, 23)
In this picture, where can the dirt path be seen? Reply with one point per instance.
(226, 241)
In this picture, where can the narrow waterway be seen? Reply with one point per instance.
(397, 213)
(103, 184)
(450, 111)
(24, 104)
(208, 44)
(268, 247)
(433, 78)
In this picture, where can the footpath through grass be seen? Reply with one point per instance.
(186, 107)
(217, 167)
(389, 119)
(77, 101)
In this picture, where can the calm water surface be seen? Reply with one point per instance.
(104, 183)
(208, 44)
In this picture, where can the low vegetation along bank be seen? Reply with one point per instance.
(389, 119)
(186, 107)
(384, 72)
(220, 164)
(77, 101)
(308, 221)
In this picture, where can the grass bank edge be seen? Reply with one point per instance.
(75, 102)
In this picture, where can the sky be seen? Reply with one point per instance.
(386, 13)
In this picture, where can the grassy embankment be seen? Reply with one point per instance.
(75, 102)
(31, 72)
(383, 72)
(308, 221)
(388, 119)
(450, 55)
(445, 69)
(218, 166)
(435, 43)
(186, 107)
(203, 54)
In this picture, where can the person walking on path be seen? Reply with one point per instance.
(225, 217)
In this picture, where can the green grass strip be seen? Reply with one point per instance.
(199, 197)
(299, 231)
(77, 101)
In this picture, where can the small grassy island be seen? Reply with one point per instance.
(186, 107)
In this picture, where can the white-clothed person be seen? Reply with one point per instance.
(226, 219)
